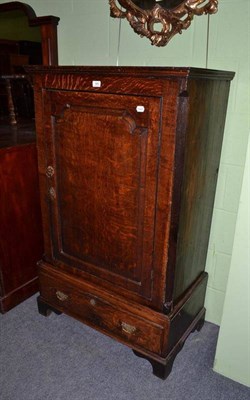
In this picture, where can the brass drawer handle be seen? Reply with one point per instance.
(128, 328)
(61, 296)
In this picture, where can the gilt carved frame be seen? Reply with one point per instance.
(172, 20)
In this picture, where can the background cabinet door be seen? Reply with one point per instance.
(101, 159)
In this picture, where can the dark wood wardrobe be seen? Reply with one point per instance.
(128, 164)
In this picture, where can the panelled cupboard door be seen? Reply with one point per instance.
(101, 158)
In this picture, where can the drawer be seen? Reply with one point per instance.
(104, 313)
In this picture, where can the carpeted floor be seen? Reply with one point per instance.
(58, 358)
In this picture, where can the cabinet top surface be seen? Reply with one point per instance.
(157, 72)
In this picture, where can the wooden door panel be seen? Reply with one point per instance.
(103, 206)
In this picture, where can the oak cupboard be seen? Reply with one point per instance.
(128, 163)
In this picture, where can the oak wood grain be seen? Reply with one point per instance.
(127, 196)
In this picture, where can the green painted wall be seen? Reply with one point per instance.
(233, 351)
(229, 48)
(87, 35)
(14, 26)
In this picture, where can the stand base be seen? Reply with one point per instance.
(158, 339)
(162, 370)
(45, 309)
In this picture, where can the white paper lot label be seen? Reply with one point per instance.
(140, 108)
(96, 83)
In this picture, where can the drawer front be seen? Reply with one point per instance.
(102, 314)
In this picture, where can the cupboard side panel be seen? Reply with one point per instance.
(206, 120)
